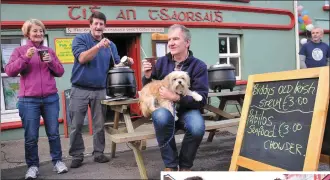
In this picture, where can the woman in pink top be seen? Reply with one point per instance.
(37, 66)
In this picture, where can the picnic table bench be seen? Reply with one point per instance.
(136, 139)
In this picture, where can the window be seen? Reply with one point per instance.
(10, 85)
(159, 44)
(161, 49)
(229, 52)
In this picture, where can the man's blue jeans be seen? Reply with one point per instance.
(30, 110)
(165, 127)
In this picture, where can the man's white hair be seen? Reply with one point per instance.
(186, 32)
(318, 27)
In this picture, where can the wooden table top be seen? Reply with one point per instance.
(120, 102)
(226, 93)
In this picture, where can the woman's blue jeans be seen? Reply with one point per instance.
(165, 127)
(30, 110)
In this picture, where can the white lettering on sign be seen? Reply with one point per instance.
(117, 30)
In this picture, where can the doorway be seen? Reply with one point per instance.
(122, 41)
(128, 44)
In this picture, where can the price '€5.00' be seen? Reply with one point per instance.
(266, 118)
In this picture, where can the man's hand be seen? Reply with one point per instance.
(90, 54)
(167, 94)
(104, 43)
(131, 60)
(146, 66)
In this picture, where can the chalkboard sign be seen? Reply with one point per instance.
(283, 120)
(66, 116)
(279, 121)
(326, 138)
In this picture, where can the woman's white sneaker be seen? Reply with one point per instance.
(60, 167)
(32, 172)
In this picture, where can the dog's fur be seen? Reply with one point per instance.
(176, 81)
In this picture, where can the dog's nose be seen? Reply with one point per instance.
(180, 82)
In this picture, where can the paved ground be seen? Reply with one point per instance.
(214, 156)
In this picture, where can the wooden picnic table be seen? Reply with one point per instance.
(137, 139)
(224, 98)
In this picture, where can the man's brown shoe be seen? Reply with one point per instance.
(170, 169)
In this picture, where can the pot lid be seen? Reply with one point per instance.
(123, 59)
(222, 67)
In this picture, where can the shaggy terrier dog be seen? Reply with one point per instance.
(176, 81)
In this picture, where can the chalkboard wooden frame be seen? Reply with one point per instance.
(315, 138)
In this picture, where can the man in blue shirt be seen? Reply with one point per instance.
(314, 53)
(190, 119)
(89, 73)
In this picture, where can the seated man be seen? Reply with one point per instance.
(190, 119)
(314, 53)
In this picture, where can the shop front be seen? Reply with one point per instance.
(254, 36)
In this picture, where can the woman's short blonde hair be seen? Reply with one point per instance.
(27, 26)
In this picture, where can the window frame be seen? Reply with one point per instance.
(154, 47)
(157, 38)
(12, 115)
(229, 55)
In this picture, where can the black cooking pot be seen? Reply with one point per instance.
(121, 82)
(221, 76)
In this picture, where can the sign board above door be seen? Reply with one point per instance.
(117, 30)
